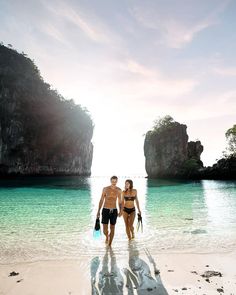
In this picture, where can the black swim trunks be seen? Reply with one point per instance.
(129, 210)
(109, 214)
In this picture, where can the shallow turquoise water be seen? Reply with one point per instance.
(53, 218)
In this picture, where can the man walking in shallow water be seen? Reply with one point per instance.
(110, 195)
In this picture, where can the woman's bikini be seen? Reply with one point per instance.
(129, 210)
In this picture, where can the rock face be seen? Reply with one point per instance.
(194, 151)
(169, 154)
(41, 133)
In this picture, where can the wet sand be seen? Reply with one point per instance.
(140, 272)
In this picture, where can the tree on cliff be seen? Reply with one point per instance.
(231, 139)
(162, 123)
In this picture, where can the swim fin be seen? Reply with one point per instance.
(97, 229)
(140, 221)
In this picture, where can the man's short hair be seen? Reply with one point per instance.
(114, 177)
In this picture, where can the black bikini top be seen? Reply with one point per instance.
(129, 198)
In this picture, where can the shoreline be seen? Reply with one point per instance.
(88, 256)
(16, 176)
(180, 273)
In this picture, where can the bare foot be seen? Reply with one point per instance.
(129, 236)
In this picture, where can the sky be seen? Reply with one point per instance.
(132, 62)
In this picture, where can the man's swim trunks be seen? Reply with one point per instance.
(109, 214)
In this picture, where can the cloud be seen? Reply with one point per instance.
(133, 66)
(90, 30)
(92, 27)
(174, 28)
(211, 105)
(174, 33)
(52, 31)
(143, 81)
(225, 71)
(128, 81)
(177, 35)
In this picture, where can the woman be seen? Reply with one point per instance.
(129, 196)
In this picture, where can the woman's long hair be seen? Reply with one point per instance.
(130, 184)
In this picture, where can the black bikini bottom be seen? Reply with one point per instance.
(129, 210)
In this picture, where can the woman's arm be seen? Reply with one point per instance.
(137, 202)
(120, 199)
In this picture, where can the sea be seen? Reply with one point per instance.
(53, 218)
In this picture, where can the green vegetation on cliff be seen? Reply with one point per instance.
(231, 139)
(162, 123)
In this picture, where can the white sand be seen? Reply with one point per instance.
(75, 276)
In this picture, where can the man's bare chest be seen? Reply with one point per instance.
(111, 194)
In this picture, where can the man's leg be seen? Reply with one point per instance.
(105, 220)
(112, 232)
(105, 231)
(113, 218)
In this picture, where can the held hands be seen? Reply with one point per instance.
(120, 214)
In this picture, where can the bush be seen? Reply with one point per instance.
(231, 139)
(162, 123)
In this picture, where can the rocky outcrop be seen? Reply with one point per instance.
(41, 133)
(225, 168)
(195, 150)
(169, 154)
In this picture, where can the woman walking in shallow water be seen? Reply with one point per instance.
(129, 196)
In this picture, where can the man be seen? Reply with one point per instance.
(110, 195)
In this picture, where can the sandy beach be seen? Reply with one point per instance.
(137, 273)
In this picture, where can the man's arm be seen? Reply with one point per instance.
(120, 201)
(101, 201)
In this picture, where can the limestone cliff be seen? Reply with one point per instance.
(41, 133)
(169, 154)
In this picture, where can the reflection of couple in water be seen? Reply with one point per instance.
(109, 282)
(126, 199)
(138, 278)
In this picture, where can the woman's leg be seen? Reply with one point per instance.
(126, 220)
(131, 223)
